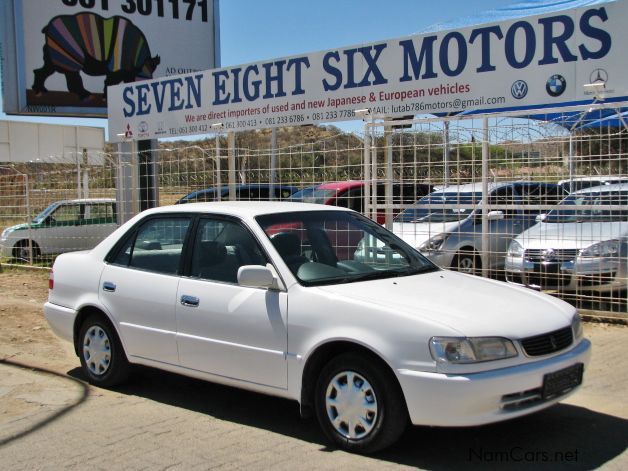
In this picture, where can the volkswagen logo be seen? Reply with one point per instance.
(556, 85)
(548, 255)
(519, 89)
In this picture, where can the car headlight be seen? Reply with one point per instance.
(433, 243)
(471, 349)
(576, 326)
(608, 248)
(515, 249)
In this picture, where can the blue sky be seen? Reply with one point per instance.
(254, 30)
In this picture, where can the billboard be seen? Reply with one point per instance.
(526, 62)
(59, 56)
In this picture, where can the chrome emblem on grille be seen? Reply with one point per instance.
(548, 255)
(553, 342)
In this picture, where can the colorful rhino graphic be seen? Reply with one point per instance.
(87, 42)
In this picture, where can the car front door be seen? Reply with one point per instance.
(223, 328)
(139, 286)
(62, 231)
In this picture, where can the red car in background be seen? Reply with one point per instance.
(347, 194)
(350, 194)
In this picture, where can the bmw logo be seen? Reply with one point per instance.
(519, 89)
(556, 85)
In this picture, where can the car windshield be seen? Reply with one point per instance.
(441, 207)
(312, 195)
(41, 217)
(333, 247)
(591, 207)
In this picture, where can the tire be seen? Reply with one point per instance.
(21, 252)
(371, 426)
(467, 262)
(102, 357)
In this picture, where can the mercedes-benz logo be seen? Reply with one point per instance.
(598, 75)
(519, 89)
(548, 255)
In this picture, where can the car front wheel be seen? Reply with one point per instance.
(102, 357)
(359, 404)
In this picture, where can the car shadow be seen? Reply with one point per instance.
(561, 437)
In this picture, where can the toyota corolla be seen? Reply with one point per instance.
(266, 296)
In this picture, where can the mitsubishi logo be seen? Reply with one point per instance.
(548, 255)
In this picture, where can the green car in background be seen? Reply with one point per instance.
(64, 226)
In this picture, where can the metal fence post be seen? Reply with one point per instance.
(485, 206)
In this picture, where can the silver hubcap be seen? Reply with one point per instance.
(351, 405)
(96, 350)
(466, 265)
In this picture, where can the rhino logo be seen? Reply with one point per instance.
(87, 42)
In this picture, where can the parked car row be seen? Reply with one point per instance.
(567, 249)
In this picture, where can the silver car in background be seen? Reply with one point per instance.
(446, 225)
(580, 245)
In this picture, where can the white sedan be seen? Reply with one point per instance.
(268, 297)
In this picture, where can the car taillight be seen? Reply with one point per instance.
(51, 280)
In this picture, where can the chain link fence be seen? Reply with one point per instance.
(534, 200)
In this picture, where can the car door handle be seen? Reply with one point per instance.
(108, 286)
(190, 301)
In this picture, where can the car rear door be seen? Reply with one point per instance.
(224, 328)
(139, 286)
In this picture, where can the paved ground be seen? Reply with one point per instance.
(51, 419)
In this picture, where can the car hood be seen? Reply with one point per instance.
(415, 234)
(571, 235)
(469, 305)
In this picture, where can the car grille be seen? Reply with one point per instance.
(548, 343)
(551, 255)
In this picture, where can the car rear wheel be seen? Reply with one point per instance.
(102, 357)
(359, 404)
(467, 262)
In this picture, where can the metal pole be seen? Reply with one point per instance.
(273, 162)
(367, 167)
(485, 207)
(388, 196)
(373, 210)
(446, 169)
(570, 162)
(232, 166)
(217, 167)
(28, 218)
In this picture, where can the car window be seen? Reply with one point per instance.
(326, 247)
(100, 213)
(540, 194)
(503, 196)
(67, 214)
(156, 246)
(221, 247)
(354, 199)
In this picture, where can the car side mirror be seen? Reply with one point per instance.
(257, 276)
(495, 215)
(540, 217)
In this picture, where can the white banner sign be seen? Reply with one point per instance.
(534, 61)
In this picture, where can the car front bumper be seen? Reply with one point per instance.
(451, 400)
(592, 274)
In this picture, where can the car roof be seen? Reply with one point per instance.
(243, 209)
(603, 188)
(594, 178)
(477, 187)
(86, 200)
(340, 185)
